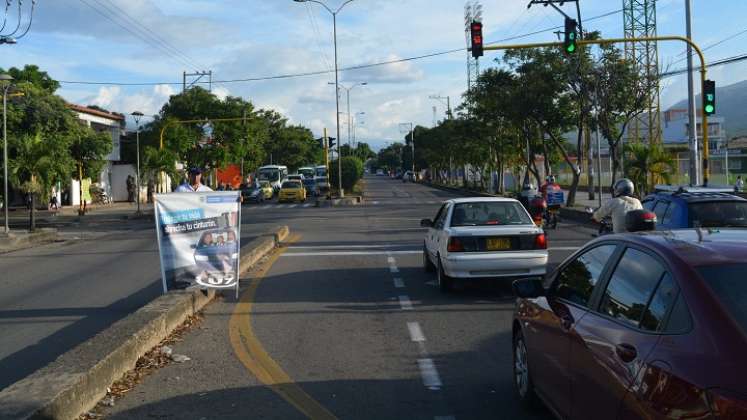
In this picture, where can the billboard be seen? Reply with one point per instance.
(199, 239)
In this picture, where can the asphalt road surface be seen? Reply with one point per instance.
(344, 323)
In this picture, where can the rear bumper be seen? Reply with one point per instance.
(496, 264)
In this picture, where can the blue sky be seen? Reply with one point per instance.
(241, 39)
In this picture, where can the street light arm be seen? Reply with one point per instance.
(341, 6)
(18, 26)
(5, 16)
(318, 2)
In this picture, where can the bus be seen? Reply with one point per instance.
(321, 171)
(307, 171)
(274, 174)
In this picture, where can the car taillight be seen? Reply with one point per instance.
(727, 406)
(455, 245)
(540, 241)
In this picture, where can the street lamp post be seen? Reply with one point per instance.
(136, 116)
(7, 80)
(337, 85)
(355, 123)
(347, 91)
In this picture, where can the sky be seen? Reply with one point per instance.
(155, 41)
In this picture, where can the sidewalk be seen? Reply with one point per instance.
(582, 199)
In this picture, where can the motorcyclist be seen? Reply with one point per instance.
(617, 207)
(528, 191)
(550, 185)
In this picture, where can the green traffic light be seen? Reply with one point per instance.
(709, 109)
(571, 48)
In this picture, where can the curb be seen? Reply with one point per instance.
(339, 202)
(78, 379)
(14, 241)
(466, 193)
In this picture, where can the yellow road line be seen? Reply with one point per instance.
(255, 358)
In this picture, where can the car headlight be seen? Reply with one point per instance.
(202, 258)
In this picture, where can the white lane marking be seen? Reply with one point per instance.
(347, 246)
(398, 283)
(563, 248)
(416, 334)
(280, 206)
(391, 260)
(429, 374)
(404, 302)
(292, 205)
(343, 253)
(393, 269)
(307, 205)
(431, 283)
(431, 202)
(266, 206)
(375, 203)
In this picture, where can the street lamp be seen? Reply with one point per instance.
(136, 116)
(6, 80)
(337, 93)
(355, 123)
(347, 91)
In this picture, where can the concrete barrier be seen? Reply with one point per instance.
(18, 240)
(77, 380)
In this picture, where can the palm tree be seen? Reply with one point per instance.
(36, 166)
(158, 161)
(648, 165)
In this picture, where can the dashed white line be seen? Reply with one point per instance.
(404, 302)
(391, 260)
(266, 206)
(393, 269)
(429, 374)
(416, 334)
(292, 205)
(307, 205)
(398, 283)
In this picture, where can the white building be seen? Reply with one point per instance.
(101, 121)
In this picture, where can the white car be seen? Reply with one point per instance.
(483, 237)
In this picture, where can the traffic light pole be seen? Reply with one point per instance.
(706, 150)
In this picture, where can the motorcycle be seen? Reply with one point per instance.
(551, 217)
(605, 225)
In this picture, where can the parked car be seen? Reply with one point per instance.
(292, 191)
(380, 172)
(322, 185)
(252, 193)
(483, 237)
(312, 190)
(638, 325)
(267, 190)
(685, 207)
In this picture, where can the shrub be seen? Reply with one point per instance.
(352, 171)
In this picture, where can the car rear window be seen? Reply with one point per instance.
(719, 214)
(291, 184)
(729, 284)
(489, 213)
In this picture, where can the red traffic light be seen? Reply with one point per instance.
(476, 32)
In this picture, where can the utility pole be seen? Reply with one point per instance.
(691, 113)
(197, 75)
(447, 103)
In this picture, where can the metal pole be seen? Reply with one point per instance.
(137, 177)
(599, 167)
(692, 115)
(349, 119)
(337, 114)
(726, 162)
(5, 157)
(412, 141)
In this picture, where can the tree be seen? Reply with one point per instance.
(647, 165)
(352, 171)
(158, 161)
(88, 149)
(32, 75)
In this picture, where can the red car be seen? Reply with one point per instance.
(638, 326)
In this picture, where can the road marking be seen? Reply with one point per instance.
(344, 253)
(431, 202)
(348, 246)
(429, 374)
(280, 206)
(292, 205)
(404, 302)
(255, 358)
(563, 248)
(393, 269)
(391, 260)
(266, 206)
(416, 334)
(398, 283)
(375, 202)
(307, 205)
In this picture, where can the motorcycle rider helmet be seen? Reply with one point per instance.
(551, 179)
(623, 187)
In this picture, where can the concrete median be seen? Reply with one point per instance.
(77, 380)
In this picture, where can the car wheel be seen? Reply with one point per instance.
(522, 377)
(444, 281)
(427, 264)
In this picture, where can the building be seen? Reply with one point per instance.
(675, 134)
(101, 121)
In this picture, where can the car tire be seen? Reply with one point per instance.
(427, 264)
(444, 282)
(522, 376)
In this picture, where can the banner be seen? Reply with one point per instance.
(199, 239)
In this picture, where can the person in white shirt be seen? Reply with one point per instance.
(739, 185)
(619, 206)
(194, 184)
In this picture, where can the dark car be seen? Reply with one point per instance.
(312, 190)
(251, 193)
(638, 325)
(678, 208)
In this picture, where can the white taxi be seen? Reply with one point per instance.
(483, 237)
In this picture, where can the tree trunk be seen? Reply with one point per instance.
(589, 164)
(571, 200)
(32, 218)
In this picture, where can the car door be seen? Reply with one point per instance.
(431, 236)
(660, 210)
(612, 342)
(547, 335)
(442, 236)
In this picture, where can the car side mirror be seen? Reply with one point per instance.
(529, 288)
(426, 223)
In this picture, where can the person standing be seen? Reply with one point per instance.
(194, 183)
(739, 185)
(130, 188)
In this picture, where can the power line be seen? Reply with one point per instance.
(321, 72)
(717, 63)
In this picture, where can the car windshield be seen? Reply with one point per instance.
(291, 184)
(321, 172)
(306, 172)
(264, 184)
(308, 182)
(489, 213)
(729, 284)
(719, 214)
(269, 175)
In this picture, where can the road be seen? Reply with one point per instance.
(345, 323)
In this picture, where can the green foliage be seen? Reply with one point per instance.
(37, 163)
(156, 161)
(32, 75)
(648, 165)
(88, 148)
(352, 171)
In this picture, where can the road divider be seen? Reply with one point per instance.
(77, 380)
(14, 241)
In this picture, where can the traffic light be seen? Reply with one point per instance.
(320, 140)
(571, 35)
(709, 97)
(476, 29)
(331, 142)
